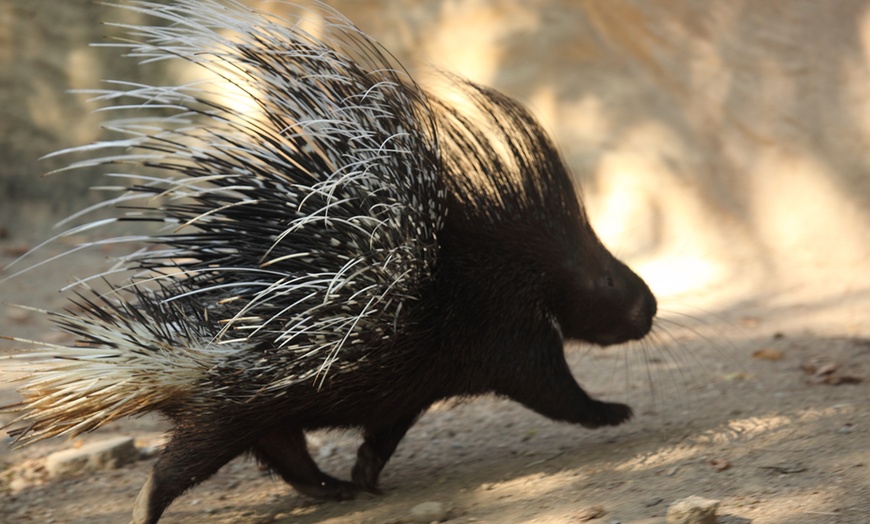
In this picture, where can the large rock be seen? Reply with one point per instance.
(105, 454)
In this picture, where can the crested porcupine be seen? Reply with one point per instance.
(343, 251)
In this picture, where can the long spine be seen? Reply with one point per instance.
(294, 225)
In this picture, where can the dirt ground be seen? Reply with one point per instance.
(761, 402)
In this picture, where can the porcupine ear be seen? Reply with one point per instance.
(302, 221)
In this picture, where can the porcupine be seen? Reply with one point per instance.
(344, 255)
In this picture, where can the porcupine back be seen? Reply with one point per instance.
(294, 229)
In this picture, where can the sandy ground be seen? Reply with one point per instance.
(728, 408)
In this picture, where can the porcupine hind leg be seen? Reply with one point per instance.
(285, 452)
(377, 448)
(196, 450)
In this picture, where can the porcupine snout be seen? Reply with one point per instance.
(642, 313)
(639, 305)
(629, 311)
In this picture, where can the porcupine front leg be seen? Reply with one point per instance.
(286, 453)
(542, 381)
(196, 450)
(377, 448)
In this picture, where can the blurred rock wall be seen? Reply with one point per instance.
(716, 141)
(44, 54)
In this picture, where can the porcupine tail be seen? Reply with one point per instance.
(134, 354)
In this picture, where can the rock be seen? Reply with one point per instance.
(428, 512)
(148, 452)
(106, 454)
(693, 510)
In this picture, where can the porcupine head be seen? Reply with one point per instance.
(520, 268)
(355, 253)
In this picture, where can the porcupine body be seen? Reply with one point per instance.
(343, 253)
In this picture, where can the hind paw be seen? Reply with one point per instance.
(329, 489)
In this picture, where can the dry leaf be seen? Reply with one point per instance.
(720, 464)
(768, 354)
(587, 514)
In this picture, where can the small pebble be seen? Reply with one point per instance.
(428, 512)
(846, 428)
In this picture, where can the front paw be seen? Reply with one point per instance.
(600, 414)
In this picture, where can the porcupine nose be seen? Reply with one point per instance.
(642, 313)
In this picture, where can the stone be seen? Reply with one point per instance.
(428, 512)
(105, 454)
(693, 510)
